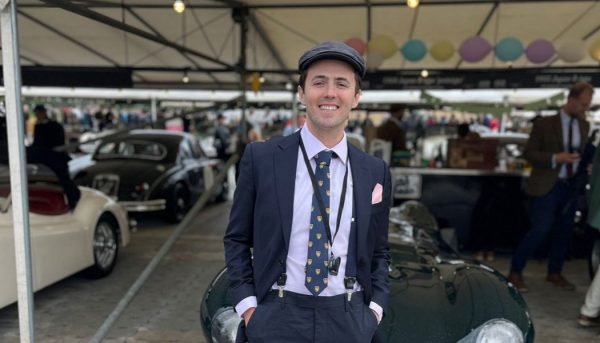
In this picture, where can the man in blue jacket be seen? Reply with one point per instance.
(306, 245)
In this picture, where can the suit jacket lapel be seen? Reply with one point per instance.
(583, 133)
(362, 196)
(285, 160)
(558, 131)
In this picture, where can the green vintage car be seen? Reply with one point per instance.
(436, 296)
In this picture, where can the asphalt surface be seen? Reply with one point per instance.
(167, 307)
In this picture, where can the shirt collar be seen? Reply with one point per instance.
(565, 118)
(314, 146)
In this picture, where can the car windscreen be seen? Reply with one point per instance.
(131, 149)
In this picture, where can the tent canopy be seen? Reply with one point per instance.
(157, 46)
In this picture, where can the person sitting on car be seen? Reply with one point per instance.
(47, 149)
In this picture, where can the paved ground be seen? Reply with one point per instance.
(167, 307)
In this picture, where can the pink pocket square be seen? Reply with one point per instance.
(376, 197)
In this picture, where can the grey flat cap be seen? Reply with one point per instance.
(335, 51)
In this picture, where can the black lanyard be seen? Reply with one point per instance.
(320, 200)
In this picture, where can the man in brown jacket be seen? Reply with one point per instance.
(391, 130)
(553, 151)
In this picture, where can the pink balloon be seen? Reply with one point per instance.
(539, 51)
(357, 44)
(474, 49)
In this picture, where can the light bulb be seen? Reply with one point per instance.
(179, 6)
(424, 73)
(185, 78)
(261, 79)
(412, 3)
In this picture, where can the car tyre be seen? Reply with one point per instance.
(105, 248)
(179, 204)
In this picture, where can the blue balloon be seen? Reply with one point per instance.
(509, 49)
(414, 50)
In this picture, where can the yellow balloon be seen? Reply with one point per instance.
(383, 44)
(374, 60)
(594, 49)
(442, 51)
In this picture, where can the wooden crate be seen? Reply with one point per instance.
(472, 153)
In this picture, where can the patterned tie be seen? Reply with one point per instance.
(316, 264)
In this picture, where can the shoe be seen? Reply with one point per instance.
(517, 280)
(560, 282)
(587, 322)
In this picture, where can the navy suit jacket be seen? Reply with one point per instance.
(261, 218)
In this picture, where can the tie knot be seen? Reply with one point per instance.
(324, 157)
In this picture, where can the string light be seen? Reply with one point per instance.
(179, 6)
(185, 78)
(424, 73)
(412, 3)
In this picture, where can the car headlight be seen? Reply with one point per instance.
(495, 331)
(225, 325)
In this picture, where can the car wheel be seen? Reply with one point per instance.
(179, 204)
(594, 259)
(106, 248)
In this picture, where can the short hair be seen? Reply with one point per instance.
(39, 108)
(580, 88)
(397, 107)
(463, 130)
(304, 73)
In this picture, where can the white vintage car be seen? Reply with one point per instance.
(63, 242)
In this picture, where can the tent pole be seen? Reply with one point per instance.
(18, 169)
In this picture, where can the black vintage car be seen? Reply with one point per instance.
(436, 296)
(151, 170)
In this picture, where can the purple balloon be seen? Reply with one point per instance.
(474, 49)
(539, 51)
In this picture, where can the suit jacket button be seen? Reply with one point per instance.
(281, 263)
(361, 263)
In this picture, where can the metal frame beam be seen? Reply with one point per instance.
(30, 60)
(73, 40)
(150, 5)
(85, 12)
(70, 39)
(261, 32)
(268, 42)
(157, 33)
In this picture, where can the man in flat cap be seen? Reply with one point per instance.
(315, 211)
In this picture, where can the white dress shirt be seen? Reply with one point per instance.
(303, 194)
(565, 120)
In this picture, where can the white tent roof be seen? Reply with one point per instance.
(279, 31)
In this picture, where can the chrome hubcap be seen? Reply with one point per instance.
(105, 245)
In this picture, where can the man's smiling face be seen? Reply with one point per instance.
(329, 95)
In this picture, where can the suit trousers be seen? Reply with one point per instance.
(552, 210)
(298, 318)
(591, 306)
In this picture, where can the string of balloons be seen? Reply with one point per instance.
(473, 50)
